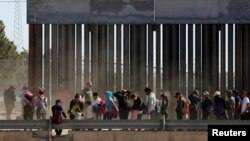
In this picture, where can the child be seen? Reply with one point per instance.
(78, 114)
(89, 111)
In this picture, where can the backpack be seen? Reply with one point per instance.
(114, 111)
(28, 108)
(43, 106)
(157, 106)
(185, 108)
(219, 108)
(56, 119)
(127, 102)
(143, 108)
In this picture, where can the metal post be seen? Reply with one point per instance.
(38, 55)
(54, 58)
(230, 57)
(87, 53)
(47, 64)
(61, 57)
(150, 56)
(158, 59)
(183, 59)
(245, 58)
(167, 65)
(71, 59)
(94, 57)
(190, 59)
(31, 62)
(198, 82)
(238, 57)
(66, 56)
(111, 58)
(102, 58)
(223, 59)
(166, 57)
(47, 57)
(198, 65)
(175, 60)
(142, 60)
(133, 58)
(79, 57)
(214, 61)
(126, 57)
(118, 57)
(205, 58)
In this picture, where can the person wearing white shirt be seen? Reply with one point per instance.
(244, 103)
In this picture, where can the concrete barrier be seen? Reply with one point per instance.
(110, 136)
(18, 136)
(139, 135)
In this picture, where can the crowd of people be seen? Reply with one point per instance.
(90, 105)
(235, 106)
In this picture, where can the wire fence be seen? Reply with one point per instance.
(15, 73)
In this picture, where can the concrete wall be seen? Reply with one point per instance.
(110, 136)
(18, 136)
(140, 136)
(138, 11)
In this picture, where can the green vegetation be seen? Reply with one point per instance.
(13, 65)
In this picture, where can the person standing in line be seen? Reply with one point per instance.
(219, 106)
(180, 106)
(135, 110)
(150, 102)
(206, 106)
(237, 110)
(57, 109)
(97, 106)
(194, 100)
(244, 105)
(27, 105)
(86, 93)
(74, 105)
(109, 105)
(230, 104)
(123, 103)
(9, 101)
(41, 104)
(164, 106)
